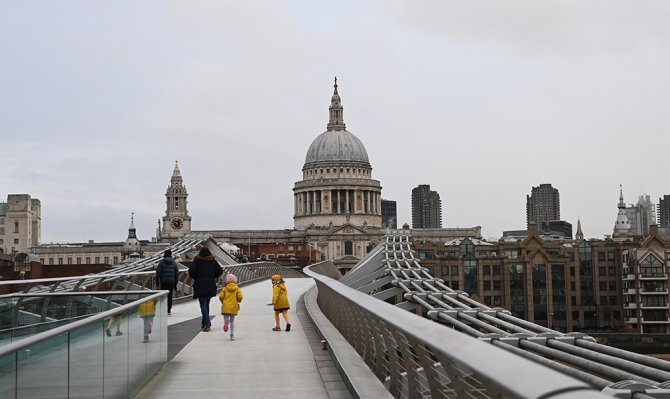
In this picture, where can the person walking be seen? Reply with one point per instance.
(147, 312)
(167, 276)
(280, 302)
(230, 296)
(204, 271)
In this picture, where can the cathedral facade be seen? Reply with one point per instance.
(337, 186)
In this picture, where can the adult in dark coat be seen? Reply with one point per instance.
(204, 271)
(167, 276)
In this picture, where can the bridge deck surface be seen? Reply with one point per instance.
(259, 363)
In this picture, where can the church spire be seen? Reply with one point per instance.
(132, 232)
(176, 175)
(622, 225)
(579, 236)
(336, 111)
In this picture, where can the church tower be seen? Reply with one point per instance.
(579, 236)
(132, 246)
(176, 222)
(622, 225)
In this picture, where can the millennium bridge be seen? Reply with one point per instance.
(387, 328)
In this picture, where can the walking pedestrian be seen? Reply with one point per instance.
(230, 296)
(280, 302)
(204, 271)
(147, 312)
(167, 276)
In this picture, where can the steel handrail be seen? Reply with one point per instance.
(404, 350)
(43, 336)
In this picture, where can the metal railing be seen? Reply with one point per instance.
(391, 273)
(415, 357)
(84, 358)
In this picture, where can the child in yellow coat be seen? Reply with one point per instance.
(230, 297)
(280, 302)
(147, 312)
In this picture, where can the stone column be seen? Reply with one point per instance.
(338, 201)
(346, 203)
(314, 208)
(304, 203)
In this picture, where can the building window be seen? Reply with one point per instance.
(496, 285)
(116, 259)
(496, 270)
(88, 260)
(42, 260)
(106, 260)
(613, 300)
(611, 271)
(97, 259)
(16, 227)
(78, 260)
(487, 286)
(60, 261)
(454, 270)
(601, 270)
(603, 285)
(651, 266)
(453, 285)
(445, 270)
(51, 261)
(348, 248)
(69, 261)
(654, 300)
(487, 270)
(16, 241)
(603, 300)
(610, 256)
(497, 301)
(601, 256)
(575, 315)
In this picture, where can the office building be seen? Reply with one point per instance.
(426, 208)
(389, 214)
(543, 204)
(20, 223)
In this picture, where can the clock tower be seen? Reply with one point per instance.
(176, 222)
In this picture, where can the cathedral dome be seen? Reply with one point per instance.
(336, 146)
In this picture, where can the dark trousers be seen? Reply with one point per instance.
(204, 310)
(169, 288)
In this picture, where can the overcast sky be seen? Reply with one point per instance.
(480, 99)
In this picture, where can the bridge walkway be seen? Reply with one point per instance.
(259, 363)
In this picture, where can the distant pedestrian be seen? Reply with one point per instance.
(204, 271)
(280, 302)
(230, 297)
(167, 276)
